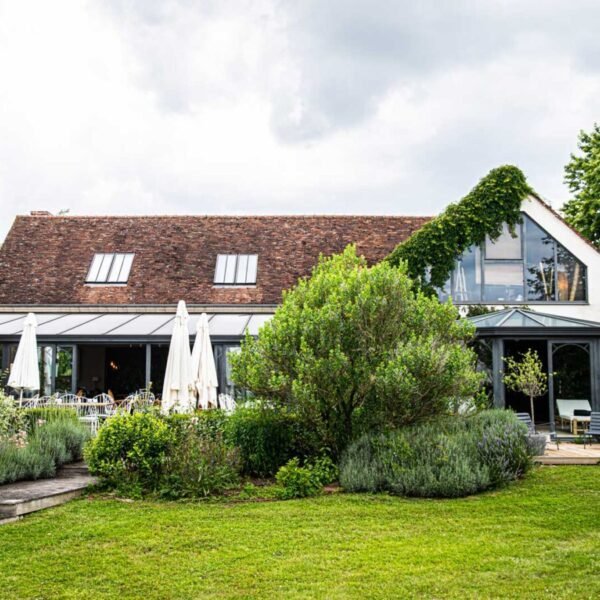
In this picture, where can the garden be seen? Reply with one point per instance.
(362, 380)
(364, 459)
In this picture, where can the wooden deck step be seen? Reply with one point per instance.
(570, 454)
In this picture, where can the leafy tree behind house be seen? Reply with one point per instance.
(527, 376)
(582, 175)
(354, 347)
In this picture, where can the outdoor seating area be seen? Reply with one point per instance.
(92, 411)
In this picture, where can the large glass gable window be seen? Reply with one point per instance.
(236, 269)
(526, 265)
(112, 268)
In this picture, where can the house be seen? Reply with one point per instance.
(104, 290)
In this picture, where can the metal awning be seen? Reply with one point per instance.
(515, 320)
(127, 326)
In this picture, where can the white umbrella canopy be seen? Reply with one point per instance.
(203, 366)
(178, 386)
(24, 373)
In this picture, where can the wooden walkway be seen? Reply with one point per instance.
(570, 454)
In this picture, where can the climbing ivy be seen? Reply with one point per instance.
(431, 252)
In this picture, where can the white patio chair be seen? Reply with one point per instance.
(69, 399)
(105, 404)
(29, 402)
(87, 412)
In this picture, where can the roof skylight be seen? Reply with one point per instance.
(110, 268)
(236, 269)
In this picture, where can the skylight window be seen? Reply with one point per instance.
(110, 268)
(236, 269)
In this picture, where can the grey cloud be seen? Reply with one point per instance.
(351, 53)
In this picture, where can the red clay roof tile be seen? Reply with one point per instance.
(45, 260)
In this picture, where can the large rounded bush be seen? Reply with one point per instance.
(129, 450)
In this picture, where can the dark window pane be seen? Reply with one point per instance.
(64, 369)
(540, 272)
(466, 279)
(570, 277)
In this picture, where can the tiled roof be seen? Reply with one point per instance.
(45, 259)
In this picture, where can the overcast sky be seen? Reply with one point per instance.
(325, 106)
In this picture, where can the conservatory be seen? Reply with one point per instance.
(570, 353)
(120, 352)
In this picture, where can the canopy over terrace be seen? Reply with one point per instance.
(99, 350)
(568, 348)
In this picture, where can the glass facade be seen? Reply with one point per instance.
(63, 369)
(527, 265)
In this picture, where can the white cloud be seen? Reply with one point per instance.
(186, 107)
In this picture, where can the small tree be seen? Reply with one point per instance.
(357, 347)
(527, 376)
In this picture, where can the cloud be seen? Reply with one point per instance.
(277, 106)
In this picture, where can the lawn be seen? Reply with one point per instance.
(537, 538)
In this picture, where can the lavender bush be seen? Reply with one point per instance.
(445, 458)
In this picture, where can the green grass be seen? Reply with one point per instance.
(537, 538)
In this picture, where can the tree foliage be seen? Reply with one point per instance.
(526, 376)
(431, 252)
(582, 175)
(354, 346)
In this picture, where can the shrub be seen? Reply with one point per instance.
(129, 451)
(296, 481)
(355, 343)
(17, 463)
(206, 423)
(268, 438)
(34, 417)
(41, 452)
(325, 469)
(11, 419)
(450, 457)
(175, 456)
(199, 465)
(502, 444)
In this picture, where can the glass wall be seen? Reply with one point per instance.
(526, 265)
(45, 359)
(63, 369)
(226, 386)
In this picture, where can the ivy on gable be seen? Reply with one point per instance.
(431, 252)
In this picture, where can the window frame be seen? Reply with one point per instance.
(221, 276)
(523, 261)
(97, 266)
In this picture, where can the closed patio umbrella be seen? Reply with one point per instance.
(203, 366)
(24, 372)
(178, 385)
